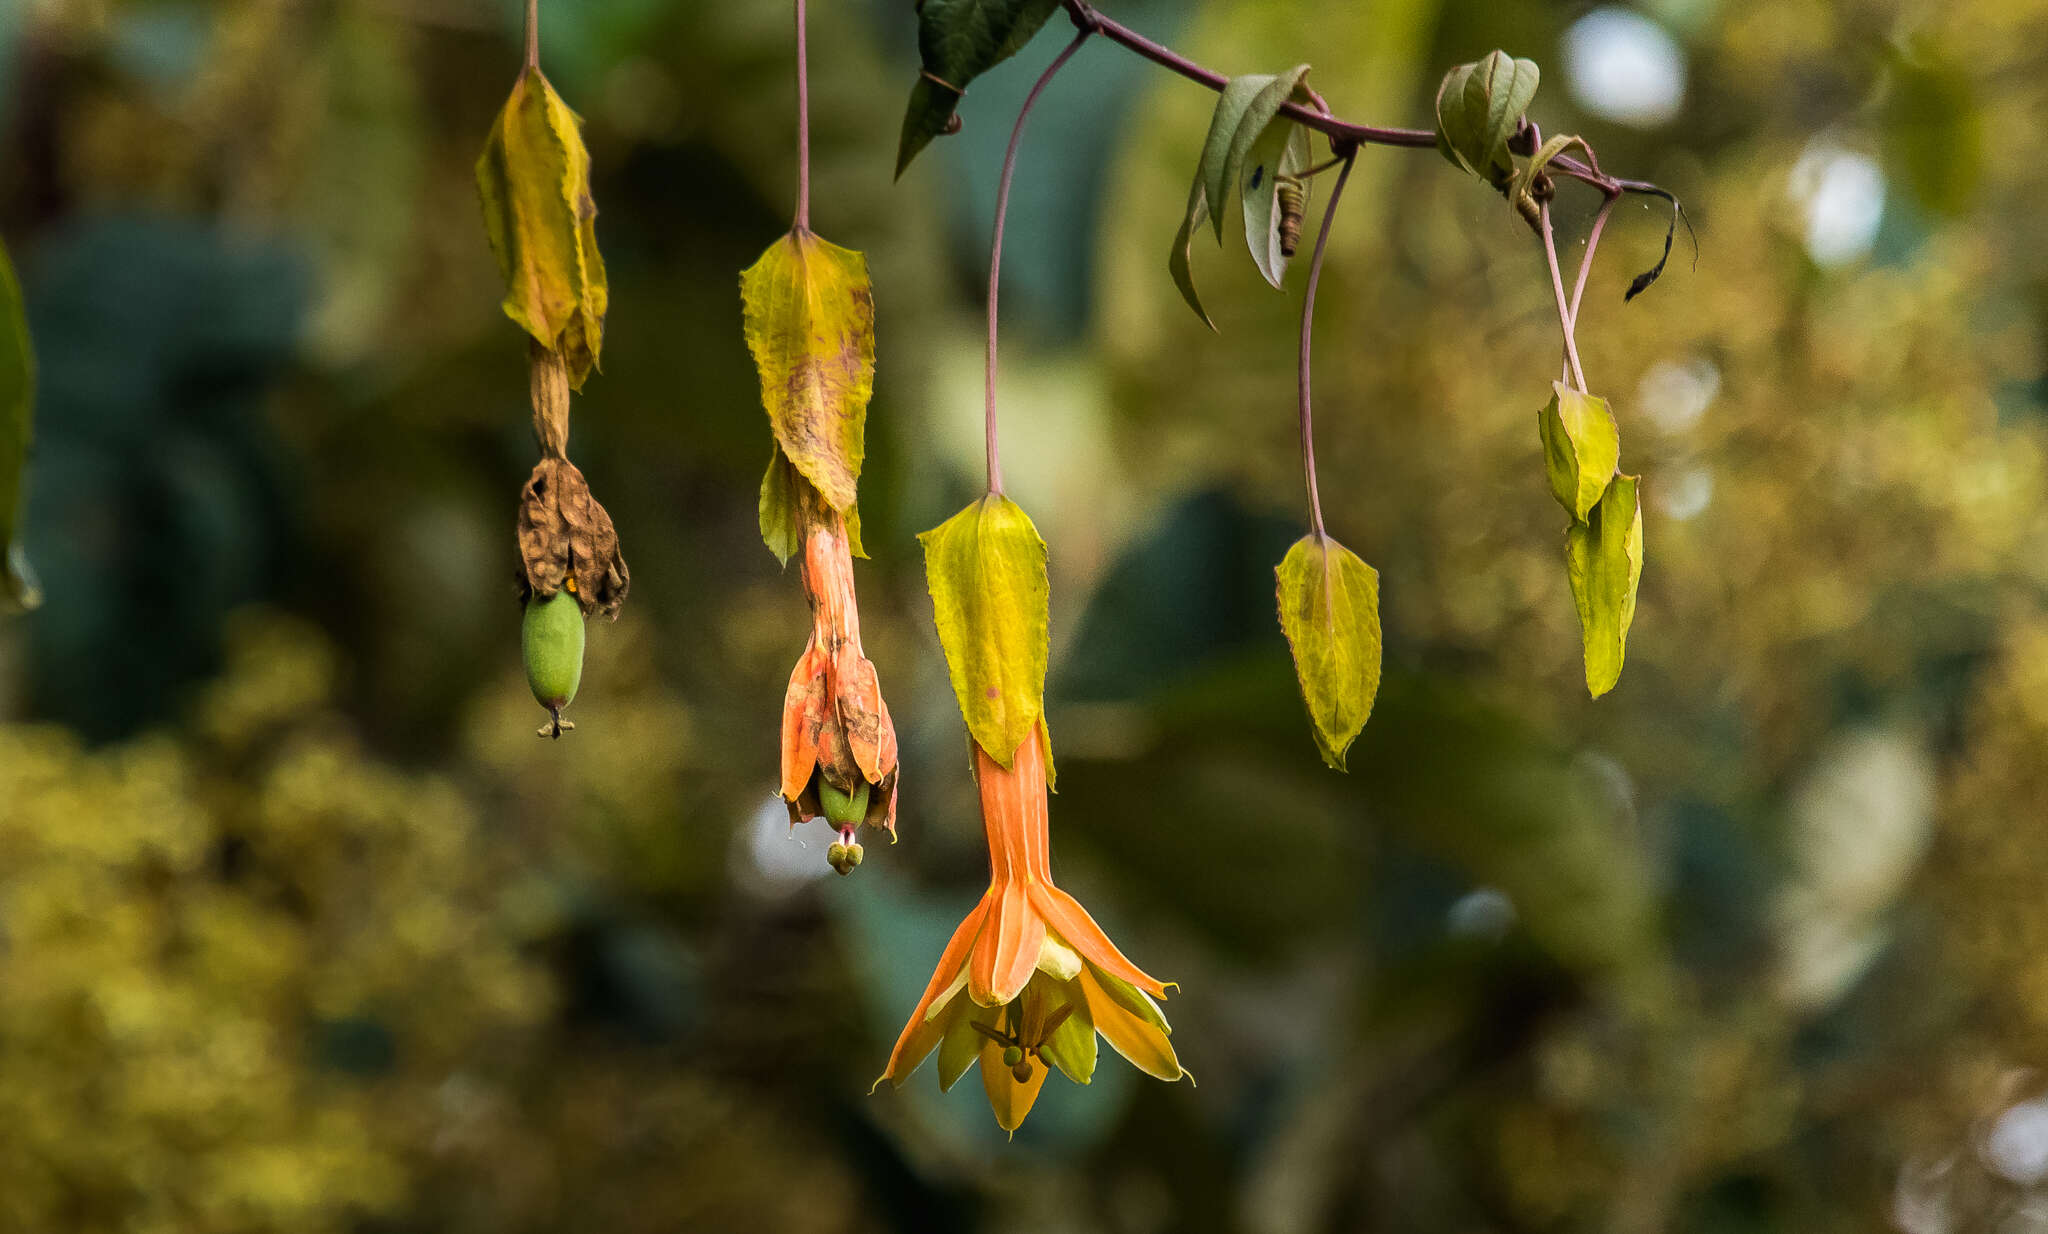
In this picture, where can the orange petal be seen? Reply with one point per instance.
(1007, 953)
(801, 716)
(885, 747)
(858, 697)
(923, 1032)
(1071, 922)
(1143, 1043)
(1010, 1100)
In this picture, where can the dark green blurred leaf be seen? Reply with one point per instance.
(17, 430)
(1934, 130)
(958, 41)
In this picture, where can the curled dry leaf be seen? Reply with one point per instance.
(565, 535)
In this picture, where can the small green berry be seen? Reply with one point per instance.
(843, 809)
(1012, 1056)
(552, 635)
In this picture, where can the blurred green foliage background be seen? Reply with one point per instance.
(301, 930)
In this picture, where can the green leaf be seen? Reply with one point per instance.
(1251, 125)
(1178, 262)
(1604, 557)
(784, 496)
(1071, 1047)
(1237, 95)
(1478, 108)
(986, 570)
(18, 589)
(1551, 148)
(1330, 612)
(782, 515)
(958, 41)
(1282, 150)
(534, 180)
(1581, 447)
(810, 324)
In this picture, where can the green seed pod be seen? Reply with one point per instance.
(553, 638)
(1012, 1056)
(843, 809)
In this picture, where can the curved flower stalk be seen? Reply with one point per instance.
(1029, 979)
(838, 743)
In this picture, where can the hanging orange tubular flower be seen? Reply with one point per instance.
(838, 744)
(1029, 979)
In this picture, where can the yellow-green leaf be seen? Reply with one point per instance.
(534, 179)
(1330, 612)
(1581, 447)
(810, 321)
(1604, 556)
(986, 570)
(782, 515)
(18, 590)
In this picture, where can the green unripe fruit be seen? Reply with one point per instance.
(553, 639)
(1012, 1056)
(843, 809)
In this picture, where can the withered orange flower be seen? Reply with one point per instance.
(838, 744)
(1029, 979)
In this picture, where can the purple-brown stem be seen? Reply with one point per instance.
(1308, 316)
(1586, 262)
(803, 122)
(1341, 132)
(1564, 308)
(995, 251)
